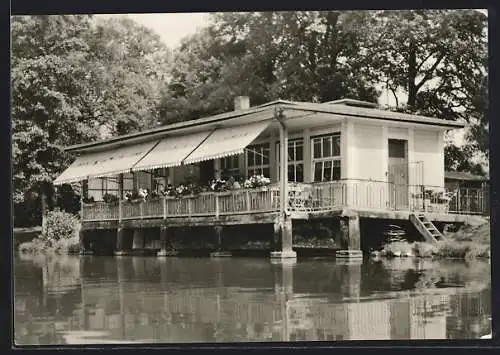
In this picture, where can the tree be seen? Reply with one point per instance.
(308, 56)
(130, 66)
(50, 108)
(71, 75)
(438, 60)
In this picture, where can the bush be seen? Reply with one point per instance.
(60, 225)
(463, 250)
(423, 250)
(60, 235)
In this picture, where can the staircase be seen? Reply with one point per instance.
(426, 228)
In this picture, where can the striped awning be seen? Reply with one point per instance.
(171, 151)
(227, 141)
(104, 163)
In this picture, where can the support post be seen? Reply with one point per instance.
(218, 230)
(120, 197)
(284, 222)
(138, 239)
(165, 247)
(350, 237)
(283, 236)
(120, 241)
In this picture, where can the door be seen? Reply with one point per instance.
(398, 174)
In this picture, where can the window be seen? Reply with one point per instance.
(230, 167)
(257, 158)
(397, 148)
(326, 157)
(99, 187)
(295, 160)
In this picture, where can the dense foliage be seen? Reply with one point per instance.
(59, 236)
(72, 76)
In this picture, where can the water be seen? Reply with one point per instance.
(96, 300)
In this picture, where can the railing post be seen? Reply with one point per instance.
(164, 207)
(458, 199)
(248, 200)
(140, 209)
(423, 198)
(120, 213)
(216, 205)
(189, 201)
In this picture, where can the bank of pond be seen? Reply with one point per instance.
(60, 236)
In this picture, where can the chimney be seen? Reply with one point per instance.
(241, 103)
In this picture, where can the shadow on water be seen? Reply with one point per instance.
(142, 299)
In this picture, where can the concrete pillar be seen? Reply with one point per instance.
(120, 240)
(84, 240)
(283, 234)
(138, 239)
(218, 232)
(349, 237)
(166, 248)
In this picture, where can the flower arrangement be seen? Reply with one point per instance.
(256, 181)
(88, 199)
(136, 196)
(218, 185)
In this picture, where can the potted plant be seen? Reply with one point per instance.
(110, 198)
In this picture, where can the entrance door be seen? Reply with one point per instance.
(398, 173)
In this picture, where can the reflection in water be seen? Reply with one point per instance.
(176, 300)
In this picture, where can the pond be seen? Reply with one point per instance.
(99, 300)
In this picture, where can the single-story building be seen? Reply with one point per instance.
(343, 153)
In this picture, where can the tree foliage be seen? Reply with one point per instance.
(433, 61)
(71, 75)
(304, 56)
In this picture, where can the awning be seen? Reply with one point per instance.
(104, 163)
(171, 151)
(227, 141)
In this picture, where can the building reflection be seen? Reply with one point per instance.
(202, 300)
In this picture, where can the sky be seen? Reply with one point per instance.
(171, 27)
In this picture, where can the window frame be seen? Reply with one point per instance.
(294, 162)
(232, 170)
(258, 167)
(333, 159)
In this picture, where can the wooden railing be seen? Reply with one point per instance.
(204, 204)
(366, 194)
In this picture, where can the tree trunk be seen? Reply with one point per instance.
(412, 74)
(43, 200)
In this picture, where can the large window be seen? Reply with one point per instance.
(295, 160)
(230, 167)
(257, 158)
(99, 187)
(326, 157)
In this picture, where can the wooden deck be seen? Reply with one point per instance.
(367, 199)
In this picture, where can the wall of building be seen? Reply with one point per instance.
(368, 148)
(428, 147)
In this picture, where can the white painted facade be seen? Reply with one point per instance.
(364, 152)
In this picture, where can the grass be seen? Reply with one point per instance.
(469, 242)
(60, 247)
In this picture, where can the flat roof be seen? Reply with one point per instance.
(335, 107)
(461, 175)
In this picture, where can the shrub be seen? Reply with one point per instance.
(423, 250)
(60, 225)
(60, 235)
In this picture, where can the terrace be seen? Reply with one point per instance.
(304, 201)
